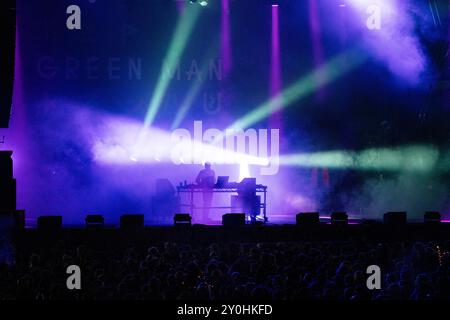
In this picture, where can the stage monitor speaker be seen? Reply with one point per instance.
(432, 217)
(182, 219)
(308, 218)
(7, 43)
(132, 221)
(339, 218)
(233, 219)
(395, 218)
(94, 221)
(49, 223)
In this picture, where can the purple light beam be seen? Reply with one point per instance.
(225, 39)
(314, 22)
(275, 120)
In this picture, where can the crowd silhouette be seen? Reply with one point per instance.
(230, 271)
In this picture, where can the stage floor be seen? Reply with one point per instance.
(273, 220)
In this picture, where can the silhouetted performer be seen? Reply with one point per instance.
(206, 179)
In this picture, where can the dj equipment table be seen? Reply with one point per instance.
(192, 189)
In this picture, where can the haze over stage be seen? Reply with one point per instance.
(333, 105)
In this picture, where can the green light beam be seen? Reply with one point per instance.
(182, 33)
(194, 90)
(328, 72)
(416, 158)
(187, 103)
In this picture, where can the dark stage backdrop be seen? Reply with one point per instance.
(344, 104)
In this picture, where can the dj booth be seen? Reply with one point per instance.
(249, 198)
